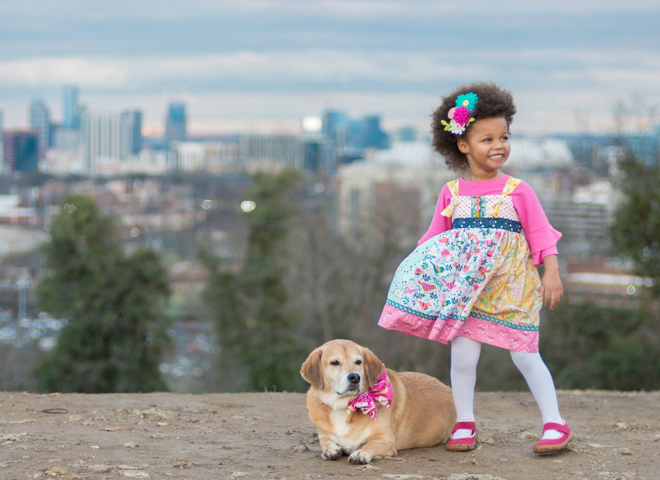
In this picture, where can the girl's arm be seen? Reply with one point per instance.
(551, 288)
(439, 223)
(540, 235)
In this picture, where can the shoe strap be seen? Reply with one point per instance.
(465, 426)
(563, 428)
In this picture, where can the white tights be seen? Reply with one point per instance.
(464, 358)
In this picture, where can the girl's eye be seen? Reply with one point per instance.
(358, 362)
(334, 362)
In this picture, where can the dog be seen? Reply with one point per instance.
(420, 414)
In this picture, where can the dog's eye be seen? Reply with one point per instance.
(334, 362)
(358, 362)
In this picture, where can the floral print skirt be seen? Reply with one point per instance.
(479, 283)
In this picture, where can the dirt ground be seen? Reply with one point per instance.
(268, 436)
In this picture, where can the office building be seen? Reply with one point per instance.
(213, 157)
(111, 136)
(335, 127)
(21, 150)
(392, 192)
(40, 121)
(101, 138)
(175, 123)
(372, 134)
(353, 134)
(1, 150)
(70, 108)
(131, 133)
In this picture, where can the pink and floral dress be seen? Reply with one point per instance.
(477, 278)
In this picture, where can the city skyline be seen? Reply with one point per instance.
(263, 66)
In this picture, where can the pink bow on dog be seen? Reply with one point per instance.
(381, 392)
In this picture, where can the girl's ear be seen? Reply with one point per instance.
(462, 146)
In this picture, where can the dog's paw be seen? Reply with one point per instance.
(332, 453)
(359, 457)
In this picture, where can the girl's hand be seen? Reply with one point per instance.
(551, 289)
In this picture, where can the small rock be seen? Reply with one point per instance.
(100, 468)
(13, 437)
(489, 441)
(404, 476)
(57, 471)
(134, 474)
(472, 476)
(131, 444)
(95, 447)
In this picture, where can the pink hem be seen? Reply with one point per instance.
(443, 331)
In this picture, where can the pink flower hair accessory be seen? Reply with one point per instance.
(460, 116)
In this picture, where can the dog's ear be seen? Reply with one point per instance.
(311, 369)
(373, 367)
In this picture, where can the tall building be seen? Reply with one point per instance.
(175, 123)
(101, 138)
(353, 134)
(70, 108)
(111, 136)
(373, 136)
(0, 123)
(131, 133)
(40, 121)
(21, 150)
(335, 127)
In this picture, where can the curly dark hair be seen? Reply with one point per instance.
(493, 101)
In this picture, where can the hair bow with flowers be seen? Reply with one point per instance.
(459, 116)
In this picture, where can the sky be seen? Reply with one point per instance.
(263, 65)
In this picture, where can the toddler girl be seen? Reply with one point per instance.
(472, 278)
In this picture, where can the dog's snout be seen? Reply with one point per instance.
(354, 377)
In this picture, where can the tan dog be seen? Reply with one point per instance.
(421, 415)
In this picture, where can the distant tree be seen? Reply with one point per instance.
(591, 346)
(256, 328)
(115, 302)
(636, 225)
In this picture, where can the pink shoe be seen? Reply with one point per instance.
(463, 444)
(547, 446)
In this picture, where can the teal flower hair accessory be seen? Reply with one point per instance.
(459, 116)
(468, 100)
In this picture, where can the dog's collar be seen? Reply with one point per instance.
(368, 401)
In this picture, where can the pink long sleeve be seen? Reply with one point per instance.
(439, 223)
(540, 235)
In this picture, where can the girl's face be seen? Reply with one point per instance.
(486, 145)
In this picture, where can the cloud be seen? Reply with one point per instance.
(319, 70)
(347, 9)
(556, 56)
(56, 71)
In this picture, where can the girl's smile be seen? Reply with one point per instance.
(486, 146)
